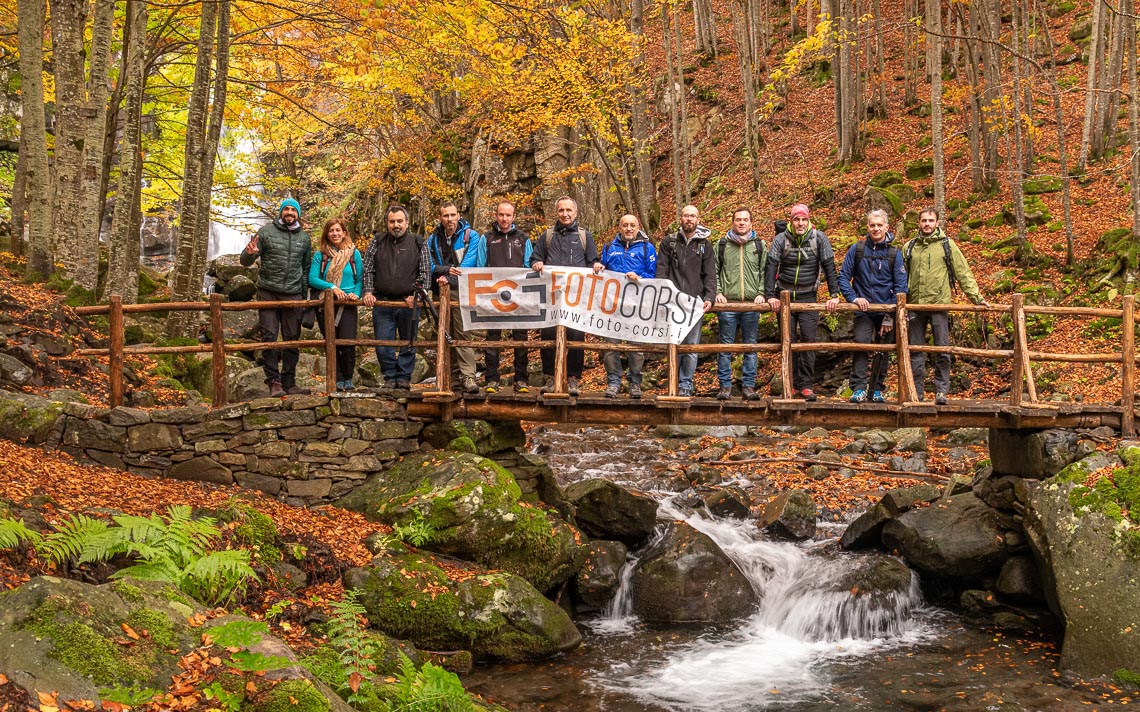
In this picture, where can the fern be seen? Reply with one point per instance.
(345, 633)
(72, 538)
(14, 532)
(417, 531)
(429, 689)
(218, 576)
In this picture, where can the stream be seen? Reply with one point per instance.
(807, 647)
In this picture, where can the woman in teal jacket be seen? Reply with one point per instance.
(337, 266)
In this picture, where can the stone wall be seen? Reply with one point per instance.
(304, 450)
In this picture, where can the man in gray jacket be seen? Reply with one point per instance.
(285, 251)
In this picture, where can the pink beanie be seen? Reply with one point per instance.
(799, 210)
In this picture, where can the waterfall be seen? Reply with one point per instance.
(807, 617)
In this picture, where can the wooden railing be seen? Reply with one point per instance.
(1022, 385)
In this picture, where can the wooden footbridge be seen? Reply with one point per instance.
(1022, 409)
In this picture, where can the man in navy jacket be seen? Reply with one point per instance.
(872, 273)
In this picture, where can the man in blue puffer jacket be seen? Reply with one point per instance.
(633, 254)
(872, 273)
(454, 244)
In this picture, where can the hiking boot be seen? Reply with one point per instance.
(685, 391)
(470, 385)
(750, 394)
(275, 389)
(390, 383)
(859, 396)
(612, 391)
(521, 387)
(547, 384)
(572, 386)
(724, 393)
(808, 395)
(403, 384)
(492, 387)
(941, 399)
(635, 391)
(877, 397)
(295, 390)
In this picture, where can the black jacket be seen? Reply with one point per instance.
(562, 246)
(690, 265)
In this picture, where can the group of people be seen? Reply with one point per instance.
(739, 267)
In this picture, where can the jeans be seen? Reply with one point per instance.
(749, 323)
(462, 359)
(612, 360)
(288, 322)
(574, 357)
(688, 362)
(940, 326)
(803, 363)
(867, 332)
(345, 329)
(491, 356)
(395, 323)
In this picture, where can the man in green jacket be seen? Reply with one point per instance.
(286, 252)
(740, 260)
(934, 263)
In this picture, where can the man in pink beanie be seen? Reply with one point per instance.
(795, 259)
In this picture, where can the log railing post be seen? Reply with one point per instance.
(1019, 356)
(1128, 368)
(115, 320)
(674, 370)
(902, 347)
(559, 359)
(328, 324)
(443, 353)
(218, 352)
(786, 342)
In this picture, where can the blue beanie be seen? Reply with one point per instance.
(289, 203)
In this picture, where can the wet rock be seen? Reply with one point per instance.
(1019, 580)
(867, 529)
(703, 474)
(605, 511)
(1091, 579)
(697, 431)
(1004, 492)
(910, 439)
(1034, 454)
(598, 579)
(684, 577)
(728, 503)
(496, 616)
(961, 538)
(968, 436)
(14, 371)
(473, 509)
(716, 451)
(791, 514)
(240, 289)
(488, 437)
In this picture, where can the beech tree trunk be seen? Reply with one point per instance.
(123, 265)
(33, 136)
(213, 137)
(186, 282)
(745, 33)
(1096, 49)
(1133, 114)
(910, 55)
(934, 59)
(704, 27)
(1017, 175)
(19, 201)
(1062, 152)
(645, 196)
(98, 91)
(848, 85)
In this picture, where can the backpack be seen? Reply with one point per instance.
(948, 258)
(546, 237)
(325, 266)
(861, 247)
(720, 247)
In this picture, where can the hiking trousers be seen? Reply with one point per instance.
(940, 326)
(279, 364)
(867, 332)
(805, 329)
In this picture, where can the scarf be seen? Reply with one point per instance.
(740, 239)
(337, 263)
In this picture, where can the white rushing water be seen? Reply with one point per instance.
(806, 619)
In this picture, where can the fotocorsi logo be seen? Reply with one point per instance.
(499, 295)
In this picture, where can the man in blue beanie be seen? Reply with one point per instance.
(285, 251)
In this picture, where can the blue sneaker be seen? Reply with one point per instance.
(877, 397)
(859, 396)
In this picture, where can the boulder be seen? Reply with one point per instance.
(598, 579)
(873, 598)
(791, 515)
(1081, 469)
(1091, 573)
(487, 437)
(684, 577)
(1004, 492)
(698, 431)
(866, 530)
(1019, 580)
(14, 371)
(878, 441)
(449, 606)
(240, 288)
(27, 418)
(470, 508)
(1081, 28)
(960, 538)
(728, 503)
(968, 436)
(605, 511)
(886, 178)
(910, 439)
(226, 267)
(1035, 454)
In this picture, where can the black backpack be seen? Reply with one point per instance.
(946, 253)
(861, 247)
(756, 242)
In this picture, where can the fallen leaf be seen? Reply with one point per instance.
(130, 632)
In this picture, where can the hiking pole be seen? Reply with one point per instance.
(423, 296)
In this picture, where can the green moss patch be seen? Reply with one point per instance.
(1116, 496)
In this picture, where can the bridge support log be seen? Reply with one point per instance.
(115, 363)
(902, 343)
(1128, 369)
(218, 350)
(329, 327)
(786, 343)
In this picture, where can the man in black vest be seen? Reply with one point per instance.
(396, 264)
(505, 245)
(565, 245)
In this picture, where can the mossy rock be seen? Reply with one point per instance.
(1036, 212)
(882, 199)
(1081, 28)
(1057, 9)
(886, 178)
(486, 437)
(62, 635)
(905, 192)
(451, 606)
(473, 508)
(27, 418)
(1042, 184)
(919, 168)
(255, 530)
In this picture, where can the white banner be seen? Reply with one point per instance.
(649, 311)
